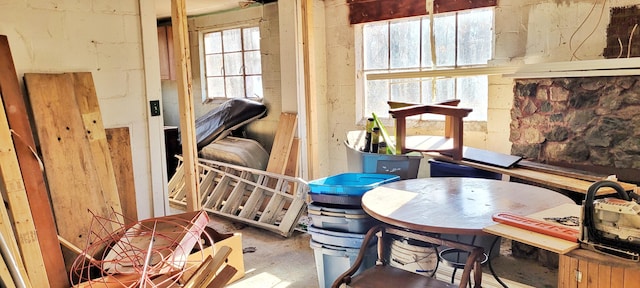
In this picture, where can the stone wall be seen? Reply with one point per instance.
(588, 123)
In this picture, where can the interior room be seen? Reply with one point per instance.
(196, 143)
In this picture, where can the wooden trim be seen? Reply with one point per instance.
(185, 101)
(361, 11)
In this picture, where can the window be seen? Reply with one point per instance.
(232, 64)
(401, 64)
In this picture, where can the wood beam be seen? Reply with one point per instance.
(311, 99)
(185, 102)
(361, 11)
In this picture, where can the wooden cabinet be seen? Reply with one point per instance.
(587, 269)
(165, 46)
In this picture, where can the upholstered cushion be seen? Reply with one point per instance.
(388, 276)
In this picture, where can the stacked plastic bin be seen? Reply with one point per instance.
(338, 222)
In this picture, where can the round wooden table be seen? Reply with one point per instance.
(454, 205)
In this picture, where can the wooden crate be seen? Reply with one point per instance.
(587, 269)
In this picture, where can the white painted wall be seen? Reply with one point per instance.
(104, 37)
(526, 31)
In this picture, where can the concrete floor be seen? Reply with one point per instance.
(280, 262)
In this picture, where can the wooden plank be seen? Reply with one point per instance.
(185, 102)
(604, 276)
(568, 172)
(543, 178)
(294, 158)
(631, 278)
(67, 156)
(617, 281)
(119, 141)
(592, 275)
(282, 143)
(13, 187)
(34, 182)
(310, 86)
(572, 270)
(206, 273)
(546, 242)
(223, 277)
(89, 107)
(562, 271)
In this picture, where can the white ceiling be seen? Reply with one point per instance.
(195, 7)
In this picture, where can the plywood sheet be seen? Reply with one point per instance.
(71, 172)
(120, 147)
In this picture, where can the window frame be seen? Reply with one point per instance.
(423, 72)
(203, 64)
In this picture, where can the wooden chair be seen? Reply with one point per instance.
(452, 133)
(384, 275)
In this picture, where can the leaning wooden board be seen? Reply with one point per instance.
(120, 147)
(281, 147)
(71, 173)
(550, 243)
(87, 100)
(13, 185)
(33, 176)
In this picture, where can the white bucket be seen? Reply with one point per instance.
(417, 259)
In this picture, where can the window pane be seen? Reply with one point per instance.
(231, 40)
(473, 92)
(234, 87)
(254, 87)
(376, 98)
(445, 89)
(475, 37)
(405, 44)
(215, 87)
(212, 43)
(233, 64)
(445, 34)
(405, 90)
(252, 64)
(426, 44)
(376, 50)
(214, 65)
(251, 38)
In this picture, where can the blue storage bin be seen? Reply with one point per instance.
(340, 218)
(335, 238)
(446, 169)
(406, 165)
(350, 183)
(332, 261)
